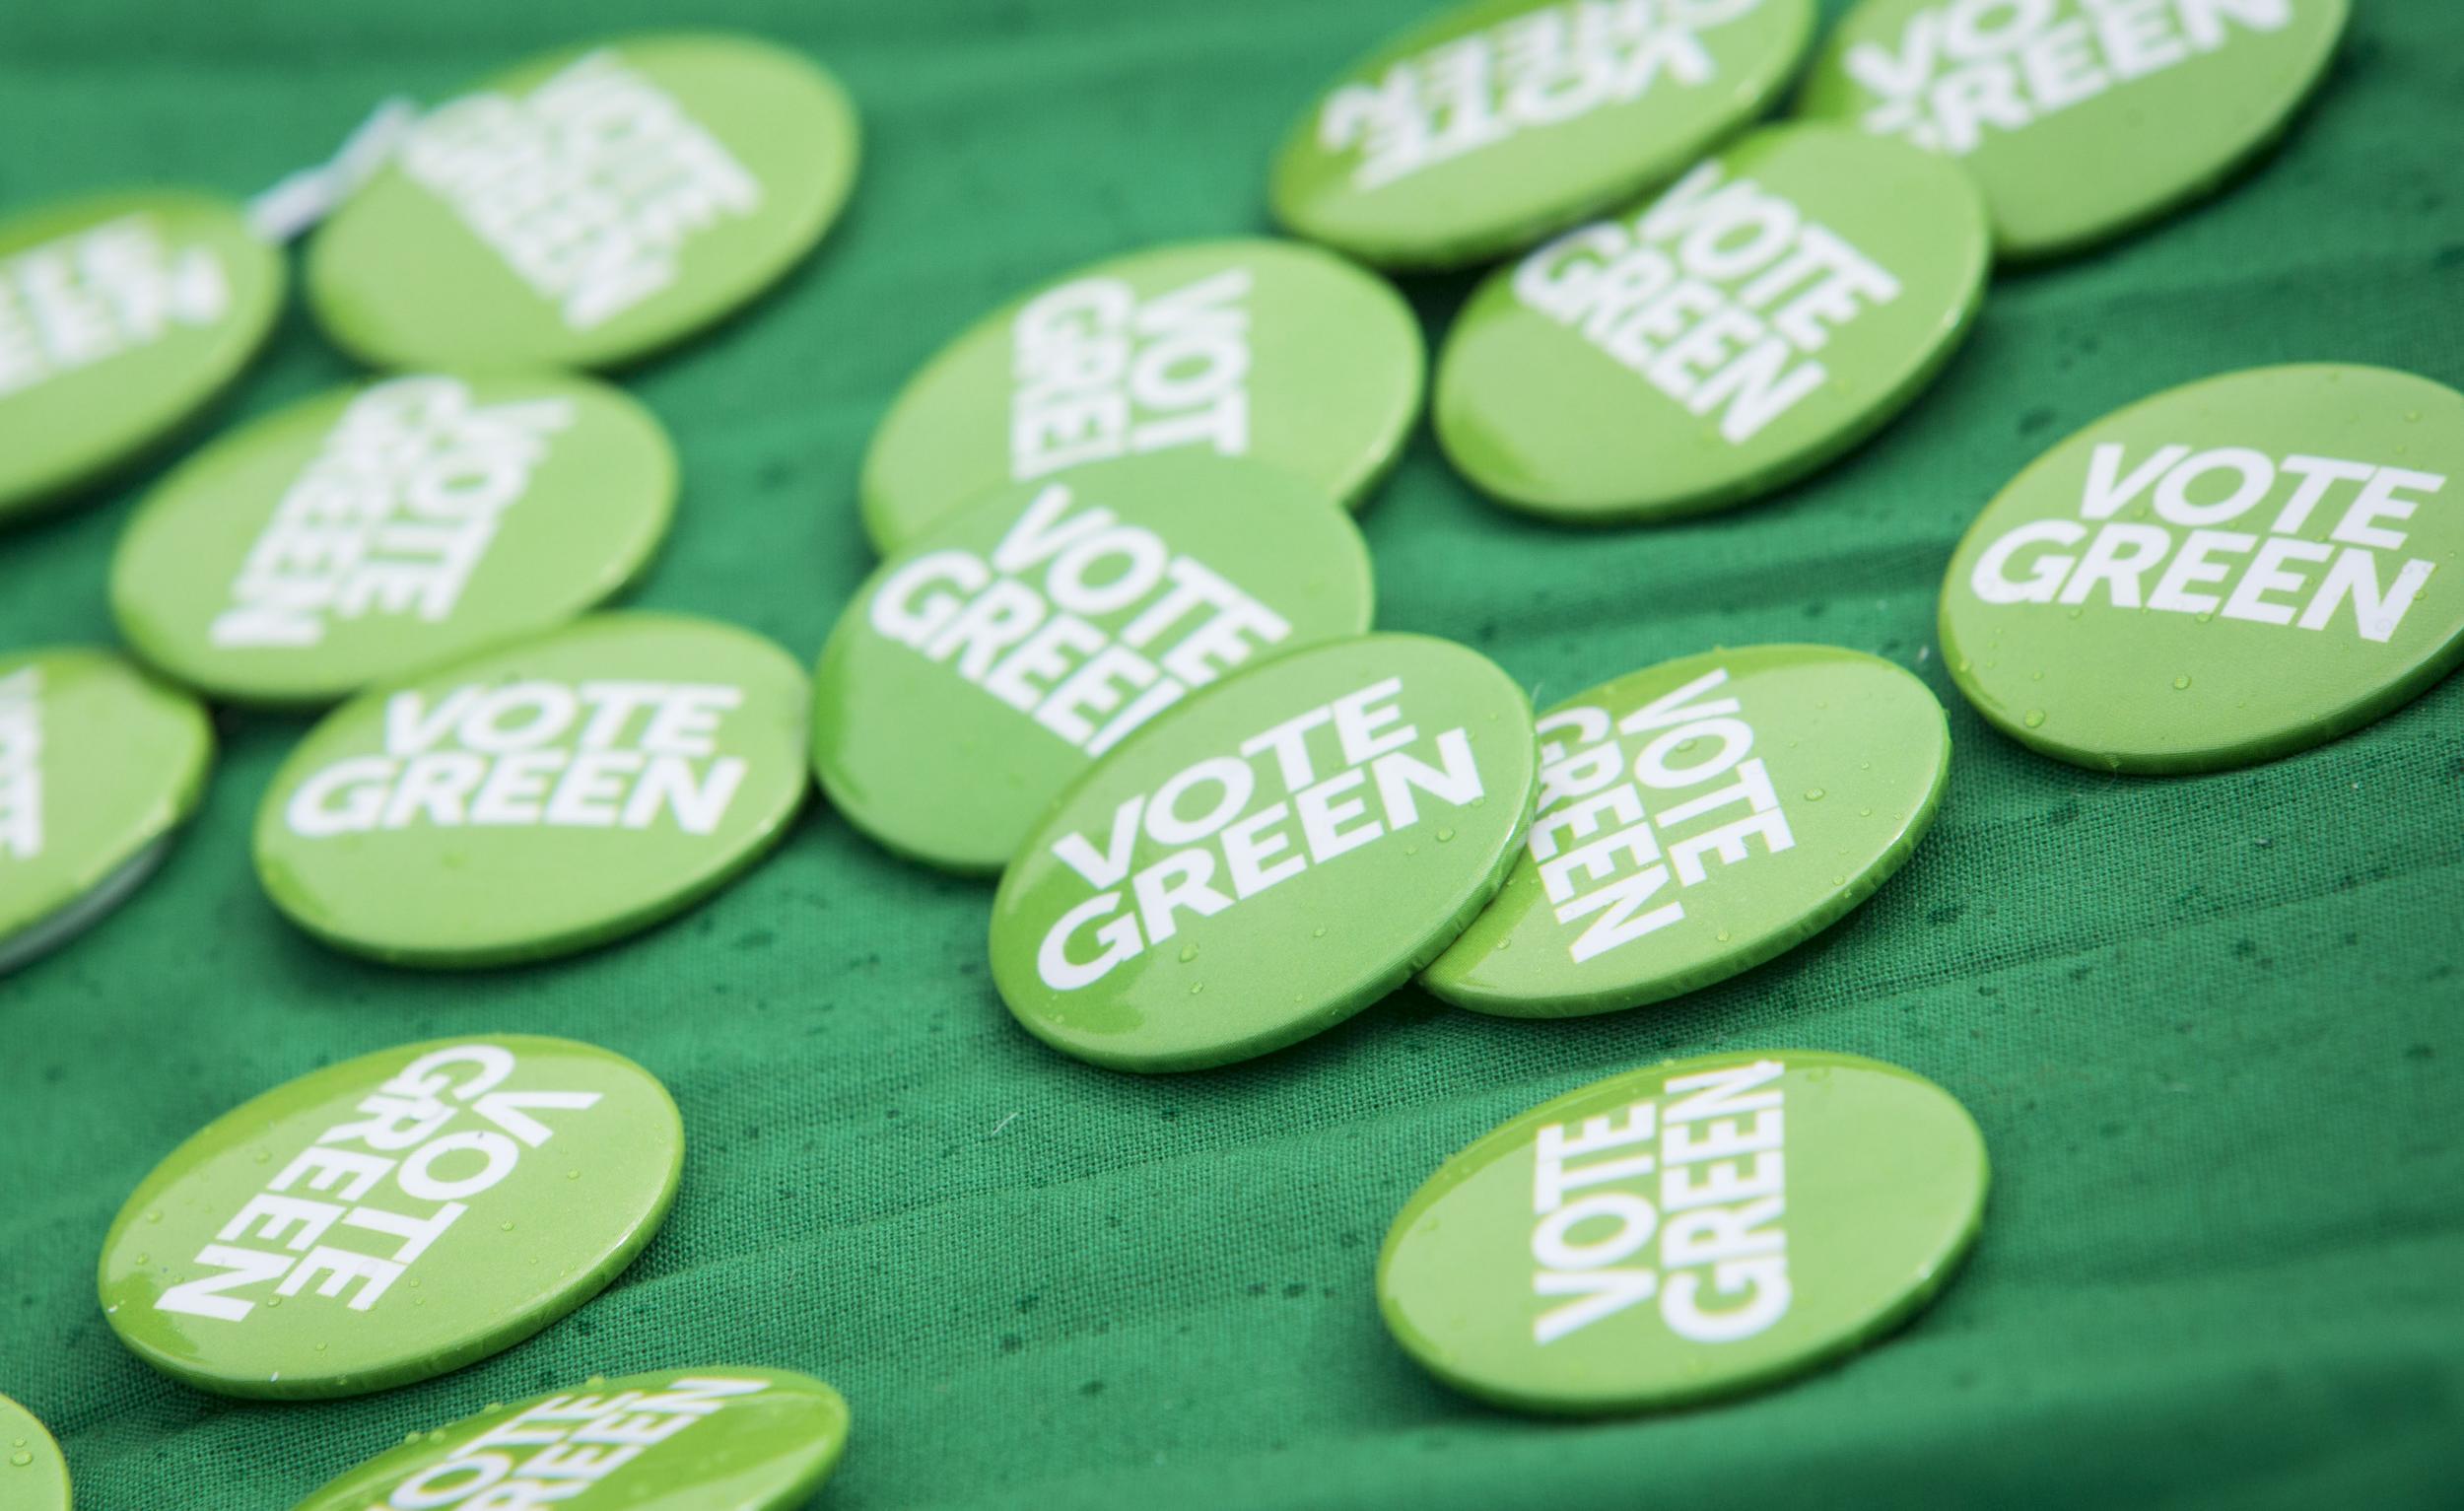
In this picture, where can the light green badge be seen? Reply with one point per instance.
(714, 1439)
(539, 798)
(988, 665)
(33, 1474)
(1774, 308)
(120, 317)
(372, 532)
(392, 1217)
(1268, 350)
(589, 207)
(2220, 575)
(1500, 121)
(99, 763)
(2080, 119)
(1269, 857)
(1699, 818)
(1685, 1232)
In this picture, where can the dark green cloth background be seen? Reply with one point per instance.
(2209, 1026)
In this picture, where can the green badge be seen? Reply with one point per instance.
(373, 532)
(99, 763)
(1774, 308)
(988, 665)
(1261, 349)
(392, 1217)
(1698, 819)
(119, 318)
(33, 1475)
(1685, 1232)
(720, 1439)
(1500, 121)
(589, 207)
(1269, 857)
(539, 798)
(2081, 120)
(2220, 575)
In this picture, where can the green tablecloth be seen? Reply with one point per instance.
(2210, 1026)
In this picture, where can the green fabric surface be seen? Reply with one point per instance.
(2209, 1026)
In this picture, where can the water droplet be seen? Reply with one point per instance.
(1864, 813)
(142, 1260)
(2073, 612)
(21, 1458)
(1839, 881)
(2034, 718)
(1411, 850)
(1865, 766)
(1964, 664)
(1814, 794)
(1445, 835)
(261, 1158)
(1189, 952)
(1197, 986)
(507, 1225)
(2181, 683)
(1318, 932)
(321, 1348)
(572, 1175)
(154, 1216)
(1722, 937)
(273, 1301)
(2035, 677)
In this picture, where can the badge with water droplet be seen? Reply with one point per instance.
(987, 665)
(722, 1438)
(100, 763)
(542, 798)
(34, 1476)
(1698, 819)
(1480, 131)
(121, 317)
(2220, 575)
(374, 531)
(1276, 352)
(392, 1217)
(1684, 1233)
(589, 207)
(2081, 122)
(1268, 858)
(1778, 305)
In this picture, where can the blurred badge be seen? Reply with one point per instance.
(986, 667)
(119, 317)
(99, 763)
(2081, 120)
(1774, 308)
(539, 798)
(392, 1217)
(1674, 1235)
(1477, 133)
(33, 1477)
(1269, 857)
(2220, 575)
(707, 1439)
(1268, 350)
(589, 207)
(1698, 819)
(372, 532)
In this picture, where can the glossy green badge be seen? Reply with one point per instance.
(120, 317)
(2080, 119)
(1479, 132)
(1774, 308)
(2220, 575)
(1268, 350)
(1699, 818)
(99, 763)
(539, 798)
(1267, 859)
(392, 1217)
(713, 1439)
(374, 531)
(1685, 1232)
(986, 667)
(589, 207)
(33, 1474)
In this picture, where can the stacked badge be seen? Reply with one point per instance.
(1502, 121)
(98, 764)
